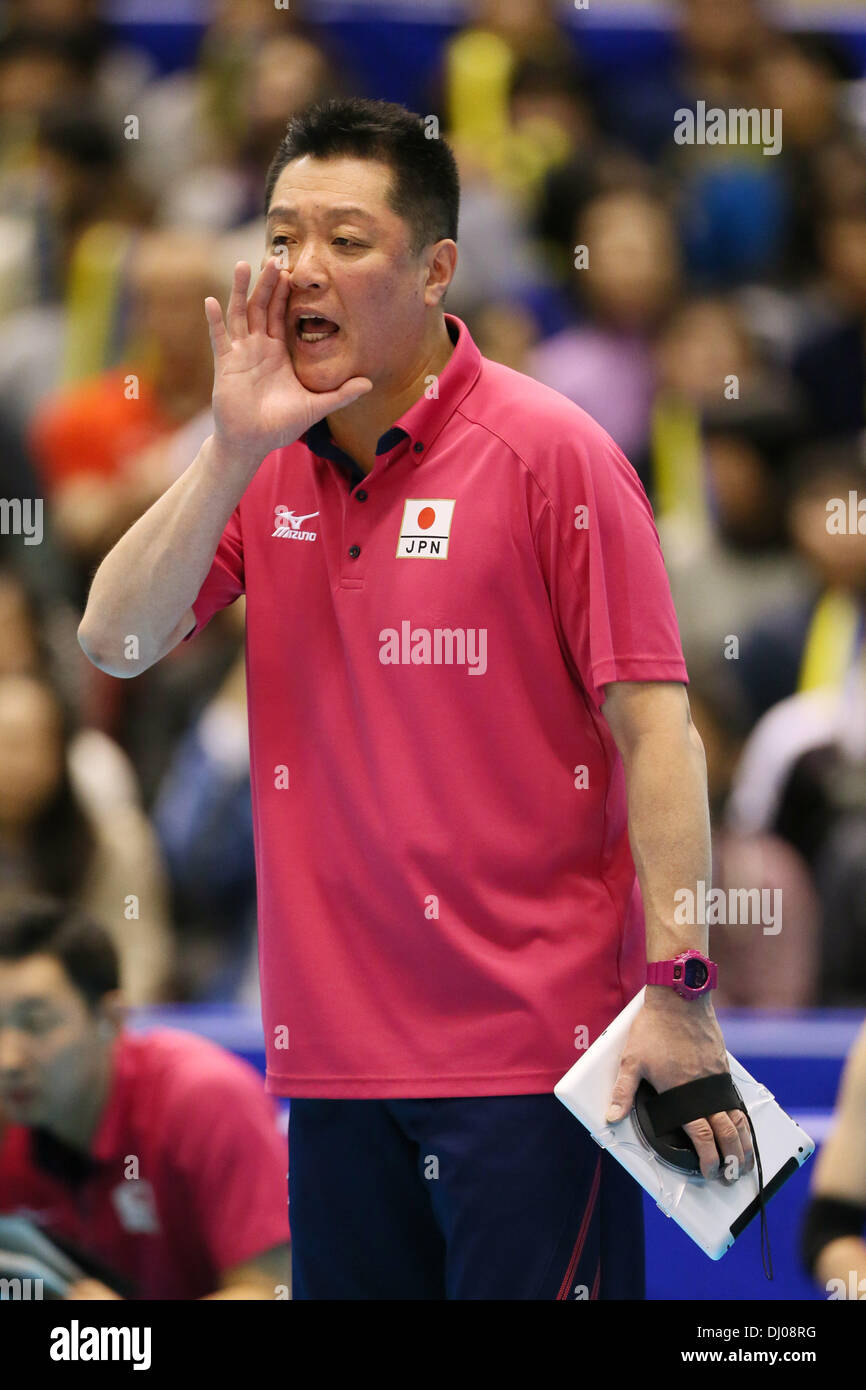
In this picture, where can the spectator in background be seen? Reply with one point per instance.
(42, 567)
(762, 963)
(550, 119)
(830, 361)
(285, 73)
(36, 70)
(729, 571)
(203, 819)
(803, 76)
(206, 124)
(203, 1214)
(106, 62)
(84, 439)
(35, 641)
(594, 167)
(814, 641)
(506, 331)
(832, 1244)
(497, 248)
(702, 348)
(84, 183)
(81, 220)
(624, 288)
(803, 777)
(479, 65)
(514, 106)
(715, 50)
(733, 204)
(55, 838)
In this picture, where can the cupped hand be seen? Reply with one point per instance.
(258, 402)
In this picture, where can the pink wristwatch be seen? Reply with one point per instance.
(691, 974)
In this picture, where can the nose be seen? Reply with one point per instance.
(305, 266)
(13, 1053)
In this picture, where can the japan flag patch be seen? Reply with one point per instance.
(426, 527)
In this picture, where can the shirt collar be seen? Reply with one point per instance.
(418, 426)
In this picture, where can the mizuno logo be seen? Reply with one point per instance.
(288, 526)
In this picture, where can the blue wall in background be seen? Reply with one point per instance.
(394, 55)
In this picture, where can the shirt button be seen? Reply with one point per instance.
(419, 447)
(361, 495)
(354, 552)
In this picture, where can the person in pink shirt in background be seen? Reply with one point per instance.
(153, 1160)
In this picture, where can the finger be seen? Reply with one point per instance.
(257, 304)
(728, 1145)
(326, 401)
(219, 338)
(701, 1134)
(622, 1096)
(278, 307)
(237, 311)
(745, 1134)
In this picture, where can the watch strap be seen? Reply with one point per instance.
(660, 972)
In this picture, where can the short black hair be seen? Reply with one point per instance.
(37, 925)
(771, 421)
(425, 185)
(80, 137)
(838, 461)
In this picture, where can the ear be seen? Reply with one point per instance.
(440, 271)
(112, 1009)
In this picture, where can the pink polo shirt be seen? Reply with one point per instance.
(446, 892)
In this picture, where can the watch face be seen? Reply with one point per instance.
(696, 974)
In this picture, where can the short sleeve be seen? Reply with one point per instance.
(224, 581)
(600, 555)
(234, 1162)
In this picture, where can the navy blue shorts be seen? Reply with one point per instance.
(499, 1197)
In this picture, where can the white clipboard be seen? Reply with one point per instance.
(713, 1212)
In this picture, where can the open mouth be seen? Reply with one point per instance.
(313, 329)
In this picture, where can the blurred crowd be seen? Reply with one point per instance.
(705, 302)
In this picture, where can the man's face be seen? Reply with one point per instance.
(50, 1048)
(349, 259)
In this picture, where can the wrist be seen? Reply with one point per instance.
(839, 1257)
(663, 999)
(229, 456)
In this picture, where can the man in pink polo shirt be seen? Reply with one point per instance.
(466, 692)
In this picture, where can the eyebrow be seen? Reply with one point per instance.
(336, 214)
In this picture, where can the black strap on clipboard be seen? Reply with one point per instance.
(661, 1116)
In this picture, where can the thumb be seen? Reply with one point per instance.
(350, 391)
(622, 1097)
